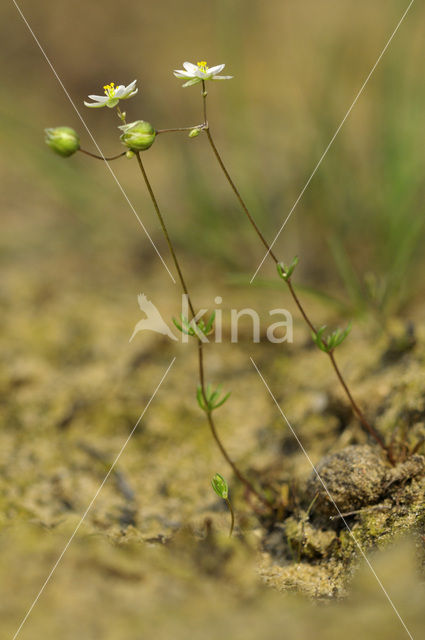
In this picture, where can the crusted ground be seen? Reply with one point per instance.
(72, 390)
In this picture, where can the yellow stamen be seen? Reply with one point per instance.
(110, 90)
(203, 66)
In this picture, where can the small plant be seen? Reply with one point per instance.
(138, 137)
(201, 73)
(219, 485)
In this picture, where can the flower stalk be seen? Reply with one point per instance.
(97, 157)
(139, 136)
(199, 127)
(204, 393)
(287, 279)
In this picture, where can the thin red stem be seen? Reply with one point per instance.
(208, 412)
(356, 409)
(94, 155)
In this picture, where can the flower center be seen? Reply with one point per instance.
(110, 90)
(203, 66)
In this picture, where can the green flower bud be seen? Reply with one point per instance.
(129, 154)
(63, 140)
(194, 133)
(138, 136)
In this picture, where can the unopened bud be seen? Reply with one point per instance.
(63, 140)
(138, 136)
(129, 154)
(194, 133)
(219, 485)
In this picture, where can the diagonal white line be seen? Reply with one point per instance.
(333, 138)
(55, 566)
(94, 141)
(332, 500)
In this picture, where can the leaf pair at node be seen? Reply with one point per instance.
(332, 341)
(284, 271)
(211, 400)
(191, 328)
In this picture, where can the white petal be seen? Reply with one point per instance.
(190, 67)
(94, 105)
(182, 74)
(119, 91)
(126, 91)
(191, 82)
(217, 69)
(126, 95)
(99, 98)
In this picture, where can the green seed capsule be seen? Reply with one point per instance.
(63, 140)
(138, 135)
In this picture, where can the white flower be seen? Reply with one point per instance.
(200, 71)
(113, 95)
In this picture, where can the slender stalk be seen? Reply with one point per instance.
(197, 126)
(165, 232)
(94, 155)
(232, 516)
(121, 115)
(300, 307)
(356, 409)
(215, 435)
(238, 195)
(228, 177)
(208, 412)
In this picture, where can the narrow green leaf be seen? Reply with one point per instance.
(215, 394)
(177, 325)
(200, 398)
(281, 270)
(210, 323)
(290, 269)
(219, 404)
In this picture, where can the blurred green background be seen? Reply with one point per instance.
(297, 67)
